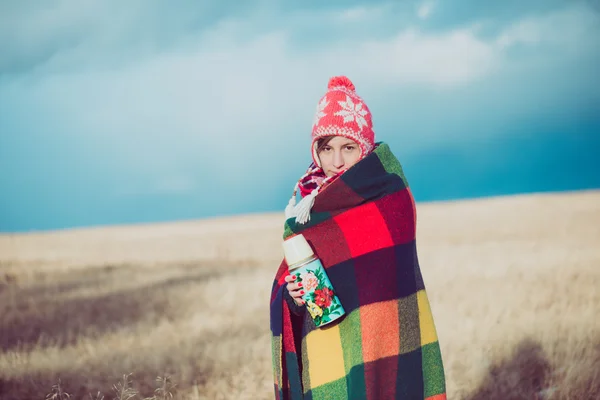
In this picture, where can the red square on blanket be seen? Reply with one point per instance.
(398, 210)
(328, 243)
(339, 196)
(365, 229)
(380, 378)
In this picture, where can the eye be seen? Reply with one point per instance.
(350, 147)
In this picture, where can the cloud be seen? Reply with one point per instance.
(414, 57)
(577, 24)
(360, 14)
(103, 34)
(425, 9)
(225, 101)
(235, 96)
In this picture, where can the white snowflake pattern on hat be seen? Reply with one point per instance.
(319, 113)
(352, 112)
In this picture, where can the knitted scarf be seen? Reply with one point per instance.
(314, 178)
(362, 226)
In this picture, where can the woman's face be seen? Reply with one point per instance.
(339, 154)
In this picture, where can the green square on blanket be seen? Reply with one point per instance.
(433, 369)
(332, 390)
(392, 165)
(291, 226)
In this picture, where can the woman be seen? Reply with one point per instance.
(358, 214)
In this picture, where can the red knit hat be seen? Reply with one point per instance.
(341, 112)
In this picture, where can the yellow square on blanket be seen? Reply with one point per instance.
(428, 332)
(325, 356)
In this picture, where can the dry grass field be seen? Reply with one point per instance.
(514, 284)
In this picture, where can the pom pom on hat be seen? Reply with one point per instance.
(343, 81)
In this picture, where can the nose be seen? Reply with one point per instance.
(338, 160)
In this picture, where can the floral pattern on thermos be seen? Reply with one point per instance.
(321, 301)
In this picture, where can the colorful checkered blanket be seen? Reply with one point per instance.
(362, 227)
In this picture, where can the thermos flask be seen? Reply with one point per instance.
(320, 299)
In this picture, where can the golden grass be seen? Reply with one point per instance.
(514, 284)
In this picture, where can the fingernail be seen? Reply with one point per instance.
(293, 277)
(302, 292)
(300, 284)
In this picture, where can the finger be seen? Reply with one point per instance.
(298, 300)
(292, 290)
(294, 286)
(297, 293)
(290, 278)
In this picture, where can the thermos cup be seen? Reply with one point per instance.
(320, 299)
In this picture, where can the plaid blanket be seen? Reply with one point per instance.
(362, 227)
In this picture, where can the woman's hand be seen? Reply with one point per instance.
(295, 289)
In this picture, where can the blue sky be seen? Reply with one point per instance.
(122, 112)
